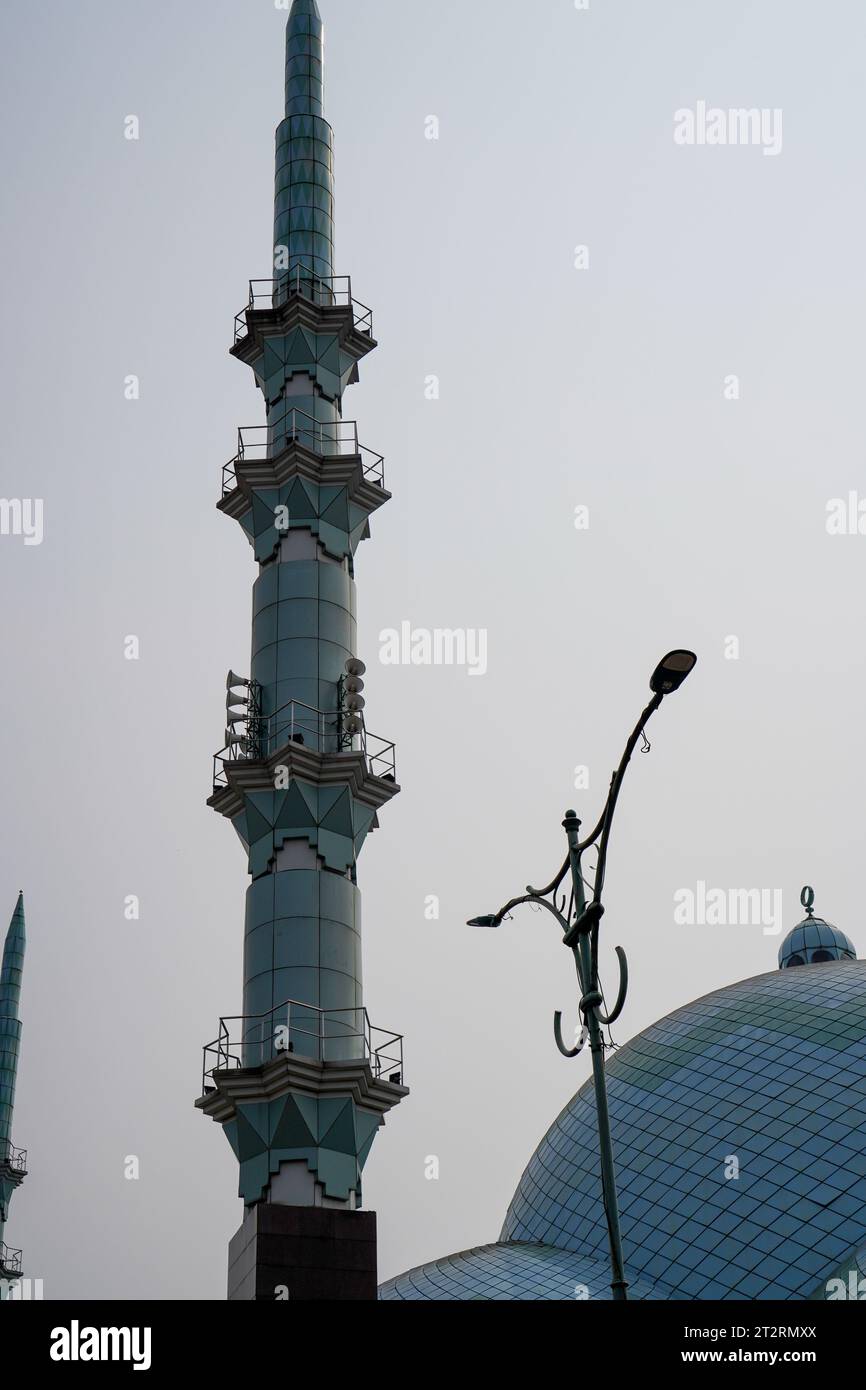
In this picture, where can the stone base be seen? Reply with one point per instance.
(303, 1255)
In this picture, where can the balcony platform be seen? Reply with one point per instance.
(10, 1263)
(360, 472)
(308, 1076)
(303, 301)
(352, 768)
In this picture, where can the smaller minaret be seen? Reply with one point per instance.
(13, 1162)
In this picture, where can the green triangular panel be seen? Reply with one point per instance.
(301, 508)
(311, 797)
(249, 1139)
(339, 818)
(364, 1149)
(264, 506)
(240, 824)
(230, 1130)
(265, 803)
(297, 350)
(257, 826)
(295, 813)
(290, 1131)
(338, 512)
(308, 1109)
(364, 818)
(340, 1135)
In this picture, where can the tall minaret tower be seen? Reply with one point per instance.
(301, 1082)
(13, 1162)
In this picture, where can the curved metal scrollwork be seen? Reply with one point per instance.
(557, 1033)
(618, 1007)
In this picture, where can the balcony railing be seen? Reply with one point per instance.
(320, 1035)
(297, 723)
(13, 1158)
(324, 290)
(10, 1262)
(328, 440)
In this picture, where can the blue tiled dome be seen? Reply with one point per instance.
(739, 1128)
(502, 1273)
(812, 941)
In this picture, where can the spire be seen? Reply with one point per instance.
(10, 1026)
(304, 200)
(304, 60)
(13, 963)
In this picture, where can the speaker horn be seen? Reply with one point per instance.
(232, 679)
(355, 667)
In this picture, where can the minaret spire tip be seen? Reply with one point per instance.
(304, 60)
(304, 7)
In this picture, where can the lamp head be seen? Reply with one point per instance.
(672, 671)
(484, 922)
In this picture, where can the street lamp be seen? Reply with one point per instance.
(579, 925)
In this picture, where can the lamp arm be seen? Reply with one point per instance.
(603, 826)
(615, 787)
(538, 902)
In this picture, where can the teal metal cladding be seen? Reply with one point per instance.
(304, 822)
(10, 1026)
(10, 1042)
(304, 198)
(304, 630)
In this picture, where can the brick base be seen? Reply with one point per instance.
(303, 1254)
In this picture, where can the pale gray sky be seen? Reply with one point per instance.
(559, 388)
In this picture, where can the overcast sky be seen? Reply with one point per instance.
(608, 387)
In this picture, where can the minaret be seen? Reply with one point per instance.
(13, 1162)
(302, 1082)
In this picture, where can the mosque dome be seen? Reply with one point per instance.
(814, 941)
(739, 1130)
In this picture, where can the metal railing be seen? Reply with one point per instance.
(320, 1035)
(324, 290)
(13, 1158)
(297, 723)
(10, 1262)
(327, 439)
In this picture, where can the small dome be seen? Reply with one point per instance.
(813, 940)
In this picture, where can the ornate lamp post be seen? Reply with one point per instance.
(579, 925)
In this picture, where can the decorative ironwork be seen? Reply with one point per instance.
(13, 1159)
(297, 723)
(337, 439)
(579, 920)
(325, 291)
(10, 1262)
(319, 1035)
